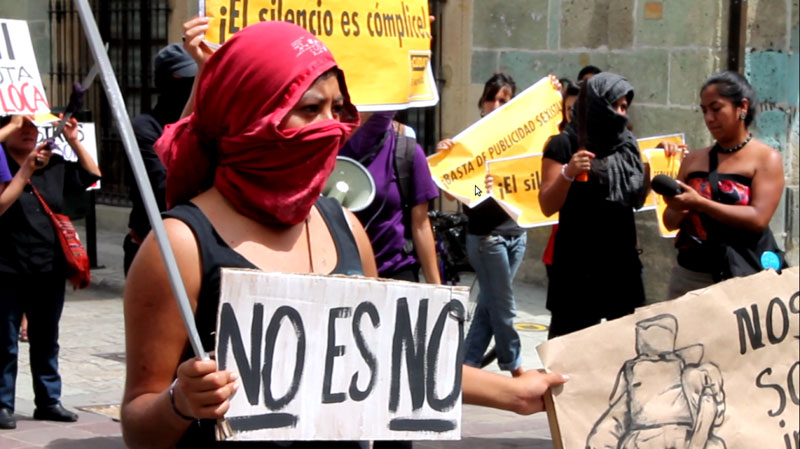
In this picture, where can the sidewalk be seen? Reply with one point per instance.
(92, 366)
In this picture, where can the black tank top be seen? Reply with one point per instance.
(216, 254)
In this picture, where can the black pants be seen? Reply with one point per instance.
(41, 298)
(129, 248)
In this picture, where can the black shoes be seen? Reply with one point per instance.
(7, 420)
(55, 413)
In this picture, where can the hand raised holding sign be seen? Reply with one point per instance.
(194, 33)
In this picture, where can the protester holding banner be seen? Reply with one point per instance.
(596, 272)
(32, 268)
(729, 193)
(397, 220)
(174, 76)
(258, 207)
(495, 247)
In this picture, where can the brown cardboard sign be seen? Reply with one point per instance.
(718, 368)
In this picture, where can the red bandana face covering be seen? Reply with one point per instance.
(234, 138)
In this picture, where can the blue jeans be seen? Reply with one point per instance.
(41, 298)
(496, 260)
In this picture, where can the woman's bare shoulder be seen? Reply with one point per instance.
(766, 154)
(696, 159)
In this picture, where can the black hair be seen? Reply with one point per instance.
(497, 82)
(5, 120)
(735, 88)
(570, 90)
(588, 70)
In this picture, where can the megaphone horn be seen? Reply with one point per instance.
(351, 184)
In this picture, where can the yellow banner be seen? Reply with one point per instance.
(660, 164)
(517, 181)
(520, 128)
(648, 143)
(383, 47)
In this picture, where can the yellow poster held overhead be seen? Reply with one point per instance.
(519, 128)
(660, 164)
(384, 47)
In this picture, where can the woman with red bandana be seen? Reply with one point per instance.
(244, 174)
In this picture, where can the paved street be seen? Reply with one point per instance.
(93, 372)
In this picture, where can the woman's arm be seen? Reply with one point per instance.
(14, 124)
(154, 342)
(521, 394)
(556, 183)
(363, 244)
(194, 31)
(674, 213)
(766, 189)
(424, 243)
(84, 158)
(13, 190)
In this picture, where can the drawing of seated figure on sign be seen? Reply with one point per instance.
(664, 398)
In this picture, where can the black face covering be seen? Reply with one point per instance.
(172, 97)
(618, 164)
(606, 129)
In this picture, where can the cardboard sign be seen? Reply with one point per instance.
(87, 136)
(716, 368)
(21, 90)
(384, 48)
(647, 147)
(521, 127)
(519, 195)
(341, 358)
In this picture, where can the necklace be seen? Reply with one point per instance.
(308, 241)
(733, 149)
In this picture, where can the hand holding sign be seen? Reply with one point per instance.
(194, 34)
(202, 392)
(511, 130)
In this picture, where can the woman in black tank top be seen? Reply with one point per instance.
(262, 211)
(259, 148)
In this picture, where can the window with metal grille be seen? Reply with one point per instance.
(134, 31)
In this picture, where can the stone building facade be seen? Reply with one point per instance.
(665, 48)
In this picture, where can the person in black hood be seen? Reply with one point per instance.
(174, 75)
(596, 272)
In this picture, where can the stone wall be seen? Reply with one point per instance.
(666, 49)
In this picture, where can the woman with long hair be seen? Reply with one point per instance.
(730, 191)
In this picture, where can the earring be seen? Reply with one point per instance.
(743, 115)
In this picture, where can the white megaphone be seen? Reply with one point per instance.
(351, 184)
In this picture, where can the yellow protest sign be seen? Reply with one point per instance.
(383, 47)
(660, 164)
(648, 143)
(520, 128)
(517, 181)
